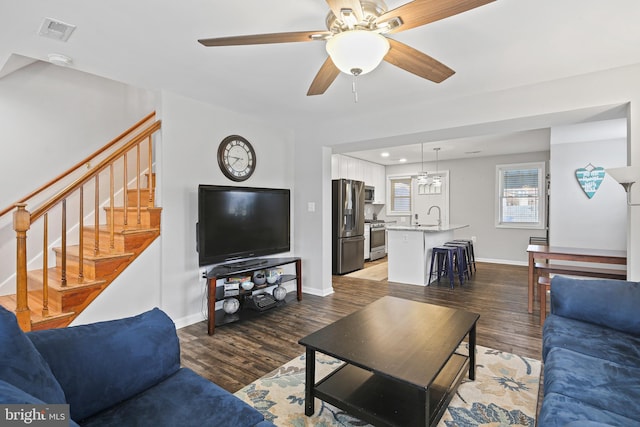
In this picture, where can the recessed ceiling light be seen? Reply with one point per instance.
(60, 59)
(473, 152)
(384, 154)
(402, 160)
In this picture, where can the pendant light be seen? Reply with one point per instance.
(436, 179)
(422, 176)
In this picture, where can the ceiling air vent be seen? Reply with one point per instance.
(55, 29)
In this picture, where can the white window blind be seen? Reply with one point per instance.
(400, 195)
(520, 195)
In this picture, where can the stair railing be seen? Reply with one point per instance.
(140, 136)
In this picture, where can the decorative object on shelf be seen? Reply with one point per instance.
(273, 275)
(236, 158)
(626, 176)
(247, 286)
(279, 292)
(590, 177)
(230, 305)
(259, 278)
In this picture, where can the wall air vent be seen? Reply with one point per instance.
(55, 29)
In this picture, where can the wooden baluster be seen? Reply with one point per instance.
(96, 215)
(111, 206)
(63, 235)
(81, 237)
(45, 266)
(138, 220)
(149, 176)
(126, 194)
(21, 223)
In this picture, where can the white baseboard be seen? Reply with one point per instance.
(317, 292)
(503, 261)
(189, 320)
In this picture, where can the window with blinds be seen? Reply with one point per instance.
(520, 195)
(400, 195)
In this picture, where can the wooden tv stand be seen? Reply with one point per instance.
(234, 269)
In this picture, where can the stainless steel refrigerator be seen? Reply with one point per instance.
(348, 225)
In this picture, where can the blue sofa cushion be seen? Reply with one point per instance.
(10, 394)
(101, 364)
(596, 382)
(563, 411)
(605, 302)
(590, 339)
(184, 399)
(22, 365)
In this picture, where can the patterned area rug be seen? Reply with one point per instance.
(505, 393)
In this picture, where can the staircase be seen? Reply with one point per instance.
(126, 223)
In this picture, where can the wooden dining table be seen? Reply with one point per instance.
(583, 255)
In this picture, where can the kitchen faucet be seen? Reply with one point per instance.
(439, 214)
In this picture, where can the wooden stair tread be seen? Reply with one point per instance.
(35, 307)
(88, 253)
(133, 208)
(55, 280)
(122, 230)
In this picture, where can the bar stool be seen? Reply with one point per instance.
(464, 261)
(472, 254)
(444, 256)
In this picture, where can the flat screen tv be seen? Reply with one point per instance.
(241, 222)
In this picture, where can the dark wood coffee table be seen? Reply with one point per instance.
(401, 366)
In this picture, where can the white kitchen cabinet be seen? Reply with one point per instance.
(370, 173)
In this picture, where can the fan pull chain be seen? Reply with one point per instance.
(354, 88)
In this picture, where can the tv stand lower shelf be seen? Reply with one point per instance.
(219, 317)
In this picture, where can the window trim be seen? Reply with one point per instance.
(390, 211)
(541, 223)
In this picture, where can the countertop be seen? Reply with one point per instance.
(426, 228)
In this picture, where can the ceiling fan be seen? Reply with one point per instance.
(356, 38)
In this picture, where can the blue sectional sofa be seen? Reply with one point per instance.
(118, 373)
(591, 354)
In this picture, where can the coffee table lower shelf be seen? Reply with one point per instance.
(383, 401)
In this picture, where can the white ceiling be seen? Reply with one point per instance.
(152, 44)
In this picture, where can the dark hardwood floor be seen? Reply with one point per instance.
(241, 352)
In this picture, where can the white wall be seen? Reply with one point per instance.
(576, 220)
(472, 201)
(53, 117)
(191, 133)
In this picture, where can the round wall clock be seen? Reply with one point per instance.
(236, 158)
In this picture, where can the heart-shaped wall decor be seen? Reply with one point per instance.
(590, 180)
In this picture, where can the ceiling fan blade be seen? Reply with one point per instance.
(299, 36)
(337, 5)
(416, 62)
(421, 12)
(327, 74)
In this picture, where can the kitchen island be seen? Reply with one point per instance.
(409, 250)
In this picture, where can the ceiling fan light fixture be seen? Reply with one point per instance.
(357, 52)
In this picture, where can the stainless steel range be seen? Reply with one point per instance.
(377, 239)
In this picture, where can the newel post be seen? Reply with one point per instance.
(21, 223)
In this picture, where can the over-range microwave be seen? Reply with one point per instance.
(369, 194)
